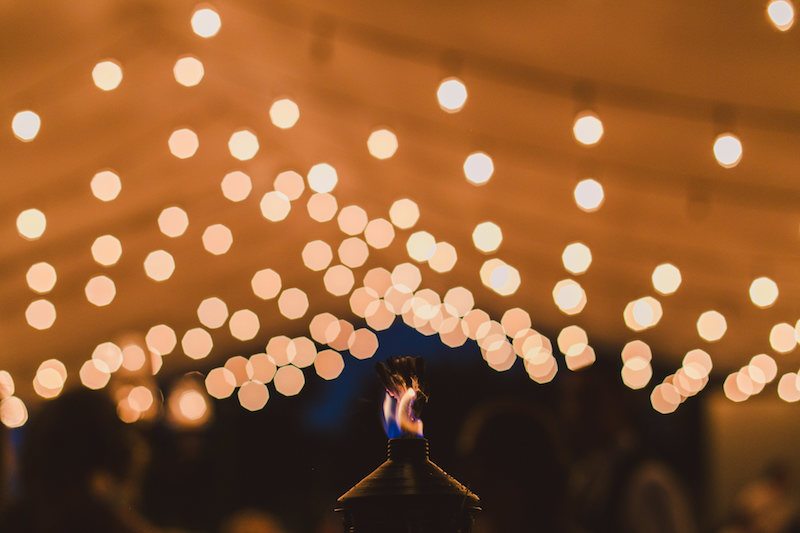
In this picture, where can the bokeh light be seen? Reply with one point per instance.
(782, 338)
(317, 255)
(589, 195)
(40, 314)
(173, 221)
(289, 380)
(478, 168)
(404, 213)
(94, 374)
(421, 246)
(352, 220)
(217, 239)
(275, 206)
(243, 145)
(339, 280)
(105, 185)
(31, 224)
(41, 277)
(107, 75)
(110, 355)
(382, 144)
(501, 277)
(13, 413)
(188, 71)
(212, 312)
(322, 178)
(588, 128)
(236, 186)
(253, 395)
(781, 14)
(197, 343)
(569, 297)
(763, 292)
(576, 257)
(322, 207)
(353, 252)
(284, 113)
(452, 95)
(379, 233)
(728, 150)
(159, 265)
(290, 183)
(362, 343)
(26, 125)
(100, 291)
(161, 339)
(642, 313)
(106, 250)
(244, 325)
(711, 326)
(444, 257)
(293, 303)
(266, 284)
(666, 278)
(206, 22)
(329, 364)
(183, 143)
(487, 237)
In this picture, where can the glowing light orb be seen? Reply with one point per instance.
(107, 75)
(188, 71)
(501, 277)
(781, 14)
(711, 326)
(244, 325)
(13, 413)
(569, 297)
(763, 292)
(217, 239)
(352, 220)
(404, 213)
(253, 396)
(289, 380)
(353, 252)
(236, 186)
(41, 277)
(478, 168)
(275, 206)
(382, 144)
(284, 113)
(666, 278)
(322, 178)
(266, 284)
(293, 303)
(161, 339)
(487, 237)
(444, 257)
(31, 224)
(421, 246)
(183, 143)
(322, 207)
(159, 265)
(197, 343)
(339, 280)
(576, 258)
(173, 222)
(206, 22)
(452, 95)
(782, 338)
(40, 314)
(26, 125)
(105, 185)
(106, 250)
(243, 145)
(588, 128)
(589, 195)
(212, 312)
(727, 150)
(317, 255)
(328, 364)
(100, 291)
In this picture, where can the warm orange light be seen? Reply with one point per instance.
(404, 213)
(41, 277)
(31, 224)
(382, 144)
(173, 221)
(452, 95)
(244, 324)
(478, 168)
(266, 284)
(107, 75)
(183, 143)
(588, 128)
(106, 185)
(100, 291)
(236, 186)
(188, 71)
(26, 125)
(728, 150)
(206, 22)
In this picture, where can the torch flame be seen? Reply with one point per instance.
(398, 416)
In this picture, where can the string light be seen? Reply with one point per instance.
(727, 150)
(478, 168)
(452, 95)
(106, 185)
(26, 125)
(763, 292)
(284, 113)
(588, 128)
(206, 22)
(382, 144)
(781, 14)
(188, 71)
(107, 75)
(31, 224)
(589, 195)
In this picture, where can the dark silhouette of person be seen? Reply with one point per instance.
(78, 470)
